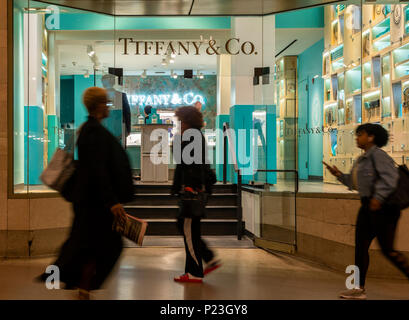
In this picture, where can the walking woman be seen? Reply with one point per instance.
(375, 177)
(192, 175)
(103, 182)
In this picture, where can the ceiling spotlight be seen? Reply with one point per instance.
(143, 75)
(173, 75)
(173, 55)
(90, 50)
(164, 63)
(86, 75)
(171, 60)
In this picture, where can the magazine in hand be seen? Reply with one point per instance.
(132, 228)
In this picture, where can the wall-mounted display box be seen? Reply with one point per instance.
(286, 81)
(370, 87)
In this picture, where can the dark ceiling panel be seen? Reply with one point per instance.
(183, 7)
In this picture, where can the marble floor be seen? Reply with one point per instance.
(147, 273)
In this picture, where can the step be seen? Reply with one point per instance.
(209, 227)
(160, 199)
(172, 211)
(142, 188)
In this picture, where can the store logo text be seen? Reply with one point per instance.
(232, 46)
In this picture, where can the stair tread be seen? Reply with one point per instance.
(202, 220)
(168, 194)
(174, 207)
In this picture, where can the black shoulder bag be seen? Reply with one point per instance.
(400, 197)
(193, 205)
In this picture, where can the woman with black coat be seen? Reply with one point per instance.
(103, 181)
(193, 175)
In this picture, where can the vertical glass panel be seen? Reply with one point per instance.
(20, 135)
(59, 52)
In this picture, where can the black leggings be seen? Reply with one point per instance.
(196, 249)
(382, 225)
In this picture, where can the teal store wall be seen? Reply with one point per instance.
(305, 18)
(310, 103)
(95, 21)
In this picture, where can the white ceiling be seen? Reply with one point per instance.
(305, 39)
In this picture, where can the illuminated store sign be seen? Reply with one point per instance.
(233, 46)
(173, 99)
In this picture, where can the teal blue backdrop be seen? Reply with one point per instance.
(310, 105)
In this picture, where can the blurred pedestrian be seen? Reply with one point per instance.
(193, 180)
(375, 176)
(103, 182)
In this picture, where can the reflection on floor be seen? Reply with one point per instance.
(177, 242)
(147, 273)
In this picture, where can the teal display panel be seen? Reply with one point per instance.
(265, 126)
(53, 136)
(33, 144)
(252, 150)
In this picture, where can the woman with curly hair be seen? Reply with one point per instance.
(375, 176)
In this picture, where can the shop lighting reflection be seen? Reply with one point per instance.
(372, 94)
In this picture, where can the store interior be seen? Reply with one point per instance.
(335, 67)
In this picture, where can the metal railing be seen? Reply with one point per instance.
(239, 214)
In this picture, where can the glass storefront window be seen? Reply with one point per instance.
(317, 74)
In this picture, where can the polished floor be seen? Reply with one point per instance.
(147, 273)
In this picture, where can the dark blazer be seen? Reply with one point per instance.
(104, 173)
(126, 114)
(195, 174)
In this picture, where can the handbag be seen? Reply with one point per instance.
(60, 173)
(59, 170)
(193, 204)
(400, 196)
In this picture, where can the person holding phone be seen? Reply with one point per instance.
(375, 176)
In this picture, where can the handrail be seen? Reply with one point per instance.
(227, 141)
(293, 171)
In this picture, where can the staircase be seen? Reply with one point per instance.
(154, 204)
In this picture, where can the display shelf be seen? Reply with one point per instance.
(376, 71)
(397, 99)
(366, 43)
(337, 65)
(327, 89)
(326, 69)
(381, 29)
(330, 113)
(353, 81)
(371, 103)
(367, 75)
(381, 43)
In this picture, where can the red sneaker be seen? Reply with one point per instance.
(211, 266)
(187, 277)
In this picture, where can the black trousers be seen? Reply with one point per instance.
(92, 245)
(382, 225)
(196, 249)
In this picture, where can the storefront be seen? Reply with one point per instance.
(292, 86)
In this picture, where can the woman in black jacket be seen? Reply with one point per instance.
(192, 175)
(103, 182)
